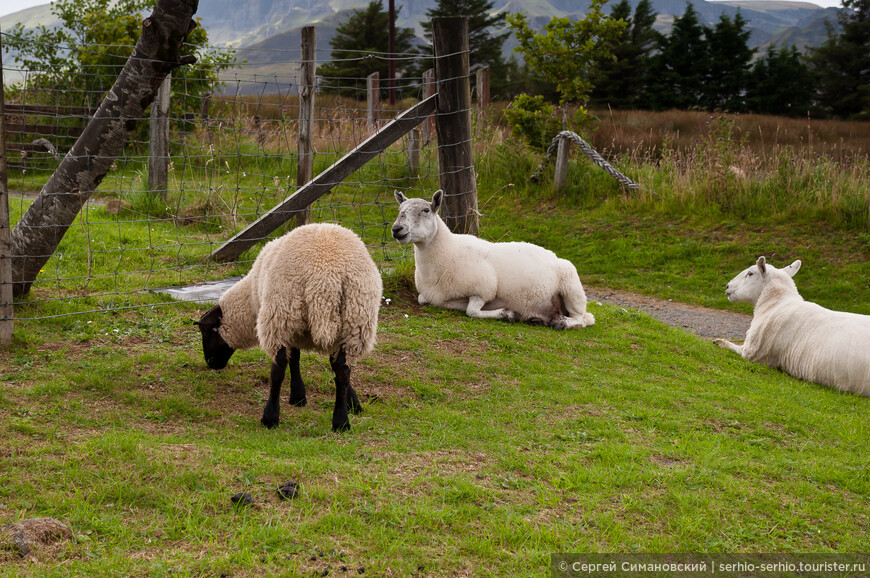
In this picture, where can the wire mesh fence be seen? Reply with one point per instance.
(233, 154)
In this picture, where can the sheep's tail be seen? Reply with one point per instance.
(573, 295)
(345, 313)
(324, 313)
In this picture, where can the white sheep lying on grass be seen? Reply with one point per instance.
(802, 338)
(509, 281)
(316, 288)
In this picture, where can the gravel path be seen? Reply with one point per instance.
(703, 322)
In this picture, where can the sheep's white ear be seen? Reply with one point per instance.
(762, 264)
(793, 268)
(400, 197)
(436, 200)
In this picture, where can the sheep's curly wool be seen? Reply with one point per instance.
(315, 288)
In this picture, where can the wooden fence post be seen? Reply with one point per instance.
(373, 100)
(305, 167)
(561, 173)
(482, 87)
(203, 109)
(6, 322)
(414, 140)
(158, 141)
(453, 124)
(428, 90)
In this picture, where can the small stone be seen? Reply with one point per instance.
(288, 490)
(23, 535)
(361, 570)
(242, 499)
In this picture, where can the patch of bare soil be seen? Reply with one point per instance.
(703, 322)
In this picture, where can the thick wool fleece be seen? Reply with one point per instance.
(316, 288)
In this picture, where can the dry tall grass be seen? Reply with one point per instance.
(645, 134)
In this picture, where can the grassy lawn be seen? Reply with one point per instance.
(484, 446)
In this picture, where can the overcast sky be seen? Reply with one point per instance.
(10, 6)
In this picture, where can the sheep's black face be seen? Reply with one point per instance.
(216, 351)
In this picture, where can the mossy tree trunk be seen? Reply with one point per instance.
(157, 52)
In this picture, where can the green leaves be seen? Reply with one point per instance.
(565, 52)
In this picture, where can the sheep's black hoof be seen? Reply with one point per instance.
(301, 402)
(339, 426)
(353, 404)
(269, 423)
(270, 418)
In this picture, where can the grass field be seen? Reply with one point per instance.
(484, 446)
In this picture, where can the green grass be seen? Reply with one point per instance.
(483, 447)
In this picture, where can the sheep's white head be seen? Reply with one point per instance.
(747, 286)
(418, 218)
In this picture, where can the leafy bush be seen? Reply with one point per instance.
(531, 118)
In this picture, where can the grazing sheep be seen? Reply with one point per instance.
(509, 281)
(802, 338)
(315, 288)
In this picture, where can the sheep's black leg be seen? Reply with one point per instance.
(297, 386)
(272, 410)
(340, 419)
(353, 404)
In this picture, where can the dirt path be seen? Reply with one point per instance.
(703, 322)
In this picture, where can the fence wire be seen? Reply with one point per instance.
(233, 155)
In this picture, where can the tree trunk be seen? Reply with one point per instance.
(158, 51)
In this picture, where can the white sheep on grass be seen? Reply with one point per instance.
(316, 288)
(510, 281)
(803, 339)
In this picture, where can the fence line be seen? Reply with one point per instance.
(234, 153)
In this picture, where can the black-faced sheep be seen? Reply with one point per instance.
(802, 338)
(510, 281)
(316, 288)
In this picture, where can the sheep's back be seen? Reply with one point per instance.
(529, 276)
(816, 344)
(318, 288)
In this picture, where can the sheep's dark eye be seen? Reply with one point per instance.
(425, 210)
(749, 274)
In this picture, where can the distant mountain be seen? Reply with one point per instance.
(263, 31)
(243, 24)
(29, 17)
(248, 23)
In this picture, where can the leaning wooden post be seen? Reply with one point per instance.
(5, 242)
(414, 151)
(373, 100)
(305, 167)
(482, 85)
(561, 174)
(428, 90)
(158, 141)
(453, 124)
